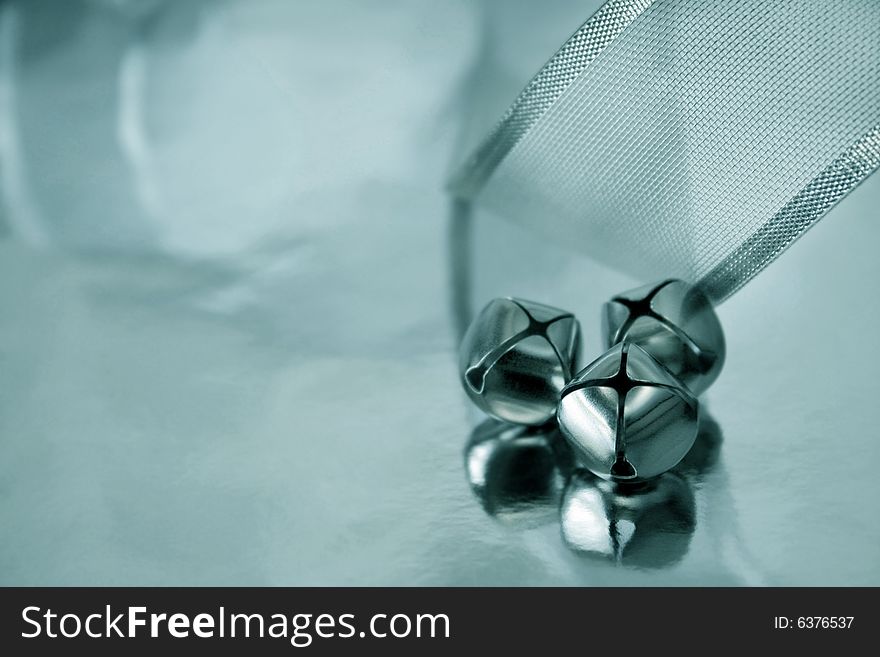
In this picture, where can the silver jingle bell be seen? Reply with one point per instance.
(648, 526)
(676, 324)
(626, 417)
(516, 357)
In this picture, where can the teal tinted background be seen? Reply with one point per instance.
(228, 343)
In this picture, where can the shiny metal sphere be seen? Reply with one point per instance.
(676, 324)
(516, 357)
(626, 417)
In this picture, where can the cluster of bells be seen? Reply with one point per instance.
(630, 415)
(596, 444)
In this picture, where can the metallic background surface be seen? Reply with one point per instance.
(230, 324)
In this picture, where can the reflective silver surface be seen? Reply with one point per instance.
(626, 417)
(675, 323)
(518, 473)
(264, 388)
(649, 526)
(516, 357)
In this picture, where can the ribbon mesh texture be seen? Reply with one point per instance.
(690, 139)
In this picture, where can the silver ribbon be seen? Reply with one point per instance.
(696, 140)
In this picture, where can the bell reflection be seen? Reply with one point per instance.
(649, 525)
(518, 473)
(526, 477)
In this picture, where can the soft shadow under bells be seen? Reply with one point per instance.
(631, 414)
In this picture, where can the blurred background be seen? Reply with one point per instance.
(232, 287)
